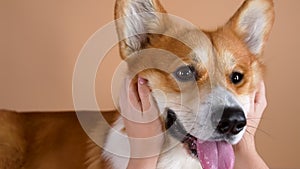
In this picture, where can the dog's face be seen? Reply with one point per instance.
(201, 80)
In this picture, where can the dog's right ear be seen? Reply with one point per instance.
(135, 19)
(253, 22)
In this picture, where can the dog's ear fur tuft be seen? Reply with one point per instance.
(253, 22)
(134, 20)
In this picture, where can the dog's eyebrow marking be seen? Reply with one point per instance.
(200, 56)
(228, 60)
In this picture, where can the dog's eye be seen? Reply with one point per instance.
(236, 77)
(185, 73)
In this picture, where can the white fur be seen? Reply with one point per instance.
(253, 22)
(245, 101)
(177, 157)
(173, 158)
(201, 56)
(117, 148)
(140, 20)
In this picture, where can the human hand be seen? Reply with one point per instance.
(141, 119)
(246, 156)
(258, 103)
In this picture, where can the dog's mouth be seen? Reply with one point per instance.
(211, 154)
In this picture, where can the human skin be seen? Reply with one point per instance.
(246, 155)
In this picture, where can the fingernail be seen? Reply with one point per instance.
(142, 81)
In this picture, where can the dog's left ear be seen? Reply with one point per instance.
(253, 22)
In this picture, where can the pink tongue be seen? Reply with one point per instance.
(215, 155)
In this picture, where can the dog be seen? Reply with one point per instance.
(201, 81)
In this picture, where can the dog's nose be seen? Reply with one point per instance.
(232, 121)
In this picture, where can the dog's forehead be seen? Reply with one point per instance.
(209, 50)
(229, 49)
(190, 45)
(220, 46)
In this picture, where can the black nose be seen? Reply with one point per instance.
(232, 121)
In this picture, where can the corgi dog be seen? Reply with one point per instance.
(201, 81)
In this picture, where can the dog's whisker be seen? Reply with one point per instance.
(249, 133)
(257, 118)
(259, 130)
(254, 118)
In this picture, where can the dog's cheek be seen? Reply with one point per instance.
(246, 104)
(160, 98)
(161, 80)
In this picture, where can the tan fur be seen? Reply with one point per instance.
(12, 140)
(47, 140)
(240, 59)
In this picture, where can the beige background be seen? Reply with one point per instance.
(41, 39)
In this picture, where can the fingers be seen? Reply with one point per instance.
(261, 93)
(128, 100)
(139, 94)
(260, 101)
(123, 97)
(144, 93)
(149, 109)
(133, 95)
(139, 114)
(258, 104)
(136, 102)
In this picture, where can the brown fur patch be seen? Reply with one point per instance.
(12, 140)
(48, 140)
